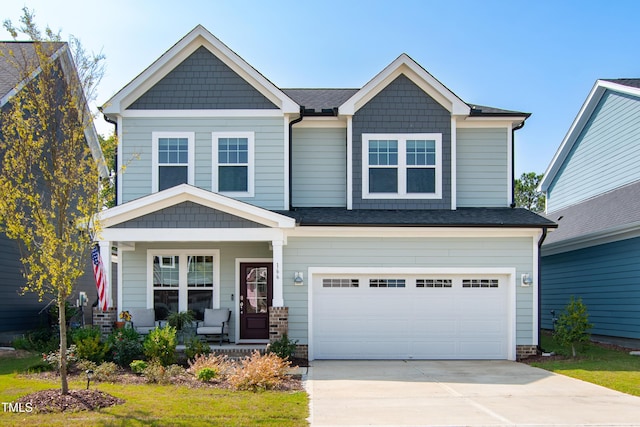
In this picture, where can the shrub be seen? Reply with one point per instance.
(40, 340)
(106, 371)
(160, 345)
(206, 374)
(138, 366)
(283, 348)
(259, 372)
(573, 325)
(89, 344)
(53, 358)
(196, 347)
(219, 364)
(157, 373)
(125, 346)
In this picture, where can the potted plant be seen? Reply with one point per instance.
(181, 321)
(125, 317)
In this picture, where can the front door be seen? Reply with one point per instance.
(256, 293)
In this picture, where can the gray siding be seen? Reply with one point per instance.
(319, 167)
(482, 168)
(606, 277)
(189, 215)
(402, 107)
(202, 81)
(302, 253)
(269, 154)
(605, 155)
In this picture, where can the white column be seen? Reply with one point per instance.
(105, 254)
(278, 292)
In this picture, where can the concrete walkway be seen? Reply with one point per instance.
(459, 393)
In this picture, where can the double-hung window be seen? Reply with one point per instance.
(172, 159)
(233, 163)
(402, 166)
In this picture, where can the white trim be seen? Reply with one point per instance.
(119, 162)
(536, 288)
(155, 164)
(251, 164)
(182, 193)
(286, 161)
(454, 164)
(236, 316)
(197, 37)
(192, 234)
(349, 162)
(277, 280)
(499, 123)
(510, 272)
(510, 165)
(412, 70)
(200, 113)
(183, 288)
(402, 166)
(120, 276)
(404, 232)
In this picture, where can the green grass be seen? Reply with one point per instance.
(614, 369)
(156, 405)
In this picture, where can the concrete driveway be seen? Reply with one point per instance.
(459, 393)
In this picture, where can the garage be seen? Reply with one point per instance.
(397, 315)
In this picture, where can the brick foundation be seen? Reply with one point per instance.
(302, 351)
(105, 319)
(524, 351)
(278, 322)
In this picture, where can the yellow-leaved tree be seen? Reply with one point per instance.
(49, 185)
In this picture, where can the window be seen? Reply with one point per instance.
(402, 166)
(233, 162)
(172, 159)
(480, 283)
(340, 283)
(183, 281)
(386, 283)
(434, 283)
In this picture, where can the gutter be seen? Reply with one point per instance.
(540, 242)
(513, 164)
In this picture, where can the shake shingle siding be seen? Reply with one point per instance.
(402, 107)
(202, 81)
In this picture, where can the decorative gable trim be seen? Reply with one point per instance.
(418, 75)
(198, 37)
(581, 120)
(187, 193)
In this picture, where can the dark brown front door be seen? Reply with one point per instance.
(256, 292)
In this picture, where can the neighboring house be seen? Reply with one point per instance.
(376, 221)
(593, 193)
(19, 313)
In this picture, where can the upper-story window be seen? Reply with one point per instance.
(233, 163)
(173, 159)
(402, 166)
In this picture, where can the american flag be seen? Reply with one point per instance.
(98, 273)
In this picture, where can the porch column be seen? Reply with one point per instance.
(105, 254)
(278, 294)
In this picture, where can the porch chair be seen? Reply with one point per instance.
(143, 320)
(216, 323)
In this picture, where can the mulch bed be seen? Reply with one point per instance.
(77, 400)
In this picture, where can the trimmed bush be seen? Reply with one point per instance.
(160, 345)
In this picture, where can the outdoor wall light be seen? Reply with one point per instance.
(298, 278)
(526, 280)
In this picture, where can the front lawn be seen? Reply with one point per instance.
(155, 405)
(607, 366)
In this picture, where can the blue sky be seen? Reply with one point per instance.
(541, 57)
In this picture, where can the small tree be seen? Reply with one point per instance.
(573, 325)
(526, 194)
(49, 181)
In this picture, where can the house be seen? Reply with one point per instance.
(19, 313)
(593, 192)
(368, 223)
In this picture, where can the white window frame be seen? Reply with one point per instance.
(155, 164)
(250, 162)
(402, 165)
(183, 289)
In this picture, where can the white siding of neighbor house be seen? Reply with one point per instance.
(302, 253)
(604, 157)
(319, 167)
(269, 153)
(482, 167)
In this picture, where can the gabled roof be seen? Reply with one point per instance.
(609, 214)
(187, 193)
(418, 75)
(196, 38)
(625, 86)
(320, 99)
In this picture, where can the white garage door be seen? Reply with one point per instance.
(410, 317)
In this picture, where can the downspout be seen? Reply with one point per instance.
(540, 242)
(513, 163)
(291, 123)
